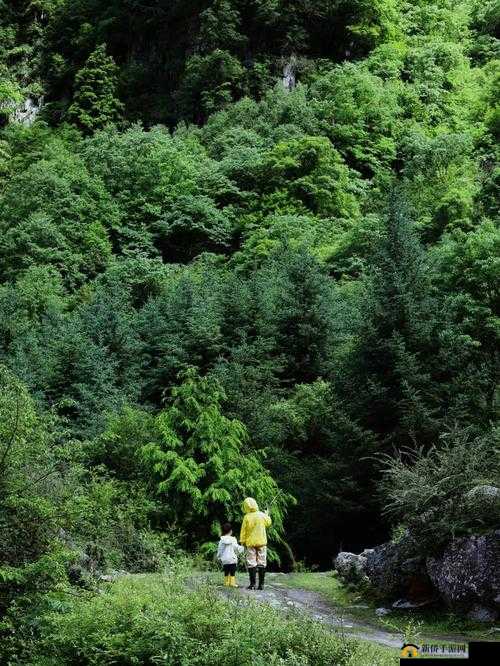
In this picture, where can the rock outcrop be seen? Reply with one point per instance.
(289, 74)
(467, 575)
(394, 571)
(27, 111)
(350, 567)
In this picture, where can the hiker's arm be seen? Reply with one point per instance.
(243, 531)
(267, 520)
(219, 550)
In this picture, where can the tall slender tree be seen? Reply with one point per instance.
(95, 102)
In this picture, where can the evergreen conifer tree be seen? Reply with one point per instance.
(95, 103)
(392, 381)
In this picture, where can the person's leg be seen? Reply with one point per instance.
(261, 565)
(251, 557)
(227, 579)
(252, 574)
(232, 576)
(262, 575)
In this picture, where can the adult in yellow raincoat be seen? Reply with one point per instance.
(253, 536)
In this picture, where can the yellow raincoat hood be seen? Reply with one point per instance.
(250, 505)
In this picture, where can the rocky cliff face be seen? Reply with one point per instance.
(27, 111)
(289, 75)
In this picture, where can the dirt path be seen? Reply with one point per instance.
(289, 599)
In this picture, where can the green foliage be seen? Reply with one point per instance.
(432, 492)
(32, 461)
(359, 111)
(95, 103)
(468, 265)
(113, 522)
(196, 217)
(220, 26)
(388, 376)
(166, 192)
(34, 493)
(202, 464)
(127, 622)
(10, 96)
(54, 213)
(441, 182)
(373, 22)
(308, 174)
(209, 83)
(119, 447)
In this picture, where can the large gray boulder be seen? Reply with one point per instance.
(350, 567)
(394, 570)
(467, 575)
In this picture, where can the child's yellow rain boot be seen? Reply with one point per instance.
(232, 581)
(227, 581)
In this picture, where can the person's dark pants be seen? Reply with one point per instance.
(229, 569)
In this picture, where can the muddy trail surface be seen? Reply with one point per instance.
(280, 595)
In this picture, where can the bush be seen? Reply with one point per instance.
(33, 494)
(431, 491)
(146, 620)
(111, 524)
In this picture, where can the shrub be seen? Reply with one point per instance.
(146, 620)
(111, 525)
(431, 491)
(32, 493)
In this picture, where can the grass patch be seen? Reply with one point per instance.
(430, 622)
(160, 619)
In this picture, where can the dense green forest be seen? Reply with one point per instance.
(217, 281)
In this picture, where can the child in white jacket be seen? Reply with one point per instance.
(227, 553)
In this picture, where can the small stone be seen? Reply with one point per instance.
(380, 612)
(359, 606)
(113, 575)
(482, 614)
(405, 604)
